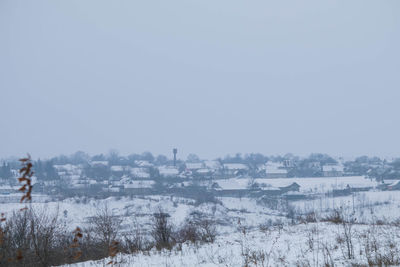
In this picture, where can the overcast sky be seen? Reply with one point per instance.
(211, 77)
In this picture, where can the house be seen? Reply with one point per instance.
(215, 186)
(199, 170)
(118, 170)
(212, 164)
(168, 171)
(394, 186)
(332, 170)
(206, 173)
(113, 189)
(194, 166)
(235, 169)
(67, 170)
(294, 187)
(143, 163)
(275, 170)
(139, 184)
(99, 163)
(79, 184)
(141, 173)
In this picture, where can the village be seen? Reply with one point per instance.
(257, 176)
(240, 201)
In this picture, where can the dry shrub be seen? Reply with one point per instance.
(162, 230)
(33, 237)
(135, 240)
(335, 217)
(310, 217)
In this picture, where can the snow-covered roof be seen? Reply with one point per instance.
(65, 167)
(332, 168)
(194, 166)
(140, 173)
(235, 166)
(143, 163)
(203, 171)
(113, 189)
(139, 184)
(92, 181)
(212, 164)
(273, 169)
(168, 171)
(99, 162)
(270, 188)
(117, 168)
(233, 183)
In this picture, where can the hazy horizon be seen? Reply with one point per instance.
(210, 78)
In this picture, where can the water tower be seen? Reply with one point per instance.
(174, 151)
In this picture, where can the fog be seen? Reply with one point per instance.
(208, 77)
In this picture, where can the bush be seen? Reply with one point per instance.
(197, 230)
(188, 232)
(32, 237)
(335, 217)
(162, 230)
(105, 227)
(134, 240)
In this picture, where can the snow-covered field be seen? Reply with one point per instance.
(314, 244)
(307, 185)
(368, 206)
(249, 232)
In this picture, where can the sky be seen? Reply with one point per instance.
(208, 77)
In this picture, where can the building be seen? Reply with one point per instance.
(294, 187)
(235, 169)
(275, 170)
(194, 166)
(142, 173)
(332, 170)
(168, 171)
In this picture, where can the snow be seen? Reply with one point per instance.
(143, 163)
(203, 171)
(168, 171)
(233, 183)
(245, 225)
(321, 184)
(316, 185)
(66, 167)
(139, 173)
(140, 184)
(332, 168)
(275, 171)
(235, 166)
(274, 168)
(9, 187)
(212, 164)
(99, 162)
(117, 168)
(367, 205)
(194, 166)
(291, 245)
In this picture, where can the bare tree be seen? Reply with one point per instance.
(105, 226)
(45, 232)
(162, 230)
(134, 240)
